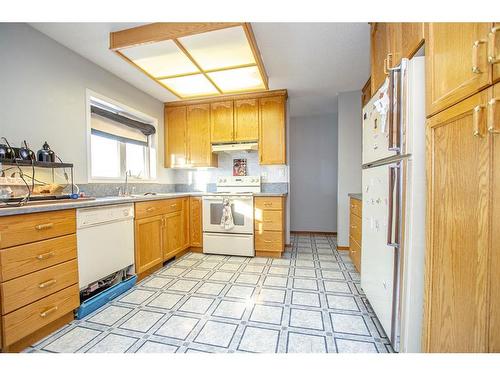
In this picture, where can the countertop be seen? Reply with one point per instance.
(358, 196)
(106, 201)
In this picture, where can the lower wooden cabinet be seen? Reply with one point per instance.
(149, 233)
(195, 222)
(173, 236)
(269, 225)
(462, 312)
(355, 232)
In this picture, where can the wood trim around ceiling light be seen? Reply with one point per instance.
(212, 99)
(255, 49)
(157, 32)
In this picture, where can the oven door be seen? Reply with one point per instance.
(242, 209)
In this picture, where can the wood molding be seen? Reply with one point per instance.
(196, 249)
(157, 32)
(343, 248)
(149, 271)
(255, 49)
(269, 254)
(313, 232)
(212, 99)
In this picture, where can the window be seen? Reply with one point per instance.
(121, 143)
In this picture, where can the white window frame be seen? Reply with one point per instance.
(152, 140)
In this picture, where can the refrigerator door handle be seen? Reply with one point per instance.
(392, 223)
(394, 109)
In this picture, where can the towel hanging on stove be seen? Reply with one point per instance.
(227, 222)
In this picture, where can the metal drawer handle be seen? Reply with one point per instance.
(49, 311)
(268, 241)
(267, 221)
(47, 283)
(149, 209)
(477, 121)
(45, 255)
(492, 56)
(268, 204)
(173, 205)
(475, 56)
(44, 226)
(353, 226)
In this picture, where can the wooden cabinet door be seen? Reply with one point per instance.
(456, 312)
(456, 62)
(394, 44)
(185, 223)
(246, 120)
(272, 134)
(221, 115)
(494, 312)
(198, 136)
(494, 50)
(366, 93)
(173, 238)
(148, 243)
(379, 49)
(195, 222)
(175, 137)
(412, 38)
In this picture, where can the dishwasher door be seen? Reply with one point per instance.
(105, 238)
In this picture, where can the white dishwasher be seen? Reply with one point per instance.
(105, 238)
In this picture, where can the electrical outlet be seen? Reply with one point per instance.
(263, 176)
(282, 172)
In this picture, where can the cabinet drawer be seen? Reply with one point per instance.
(26, 320)
(173, 205)
(19, 292)
(269, 220)
(22, 229)
(21, 260)
(269, 203)
(355, 228)
(149, 209)
(269, 241)
(356, 207)
(355, 253)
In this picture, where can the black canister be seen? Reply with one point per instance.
(46, 154)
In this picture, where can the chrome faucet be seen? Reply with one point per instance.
(124, 190)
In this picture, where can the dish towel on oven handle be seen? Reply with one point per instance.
(227, 222)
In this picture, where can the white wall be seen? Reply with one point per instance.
(349, 158)
(42, 96)
(313, 173)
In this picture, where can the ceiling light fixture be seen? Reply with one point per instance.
(195, 59)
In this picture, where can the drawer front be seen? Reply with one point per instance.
(173, 205)
(269, 241)
(21, 260)
(269, 220)
(269, 203)
(355, 252)
(26, 320)
(27, 228)
(22, 291)
(356, 207)
(355, 228)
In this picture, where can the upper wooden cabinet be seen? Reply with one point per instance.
(193, 126)
(378, 50)
(221, 114)
(366, 93)
(198, 136)
(456, 62)
(412, 38)
(246, 120)
(175, 137)
(272, 132)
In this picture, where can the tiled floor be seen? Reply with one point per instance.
(309, 301)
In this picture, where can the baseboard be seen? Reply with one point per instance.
(196, 249)
(313, 232)
(343, 248)
(288, 245)
(268, 254)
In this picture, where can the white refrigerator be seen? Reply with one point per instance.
(393, 183)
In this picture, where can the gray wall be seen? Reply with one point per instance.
(313, 173)
(349, 158)
(42, 96)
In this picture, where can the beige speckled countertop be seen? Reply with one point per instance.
(105, 201)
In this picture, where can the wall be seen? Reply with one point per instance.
(313, 174)
(42, 96)
(349, 158)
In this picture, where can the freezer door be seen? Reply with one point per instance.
(382, 136)
(379, 256)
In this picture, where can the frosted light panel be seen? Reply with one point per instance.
(194, 85)
(219, 49)
(238, 79)
(160, 59)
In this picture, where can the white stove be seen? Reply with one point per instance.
(234, 236)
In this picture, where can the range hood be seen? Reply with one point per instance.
(234, 147)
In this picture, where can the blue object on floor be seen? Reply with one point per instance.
(100, 299)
